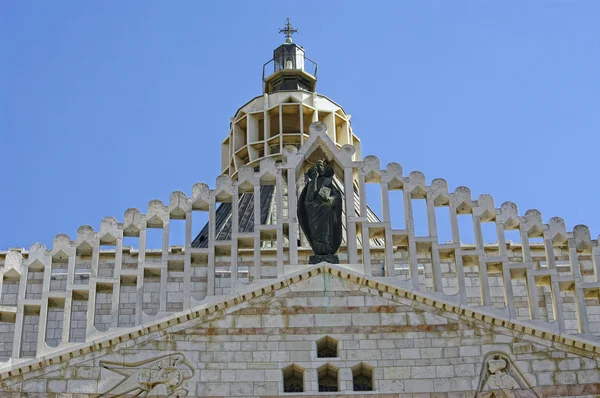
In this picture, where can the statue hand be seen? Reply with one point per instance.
(324, 197)
(313, 173)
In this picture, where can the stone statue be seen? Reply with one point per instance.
(320, 213)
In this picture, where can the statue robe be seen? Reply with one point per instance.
(321, 218)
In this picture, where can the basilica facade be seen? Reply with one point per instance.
(247, 307)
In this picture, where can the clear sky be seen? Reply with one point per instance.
(107, 105)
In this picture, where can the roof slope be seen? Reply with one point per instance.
(223, 216)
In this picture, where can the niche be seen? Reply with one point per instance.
(327, 347)
(362, 377)
(293, 378)
(328, 378)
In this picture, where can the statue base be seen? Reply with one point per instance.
(328, 258)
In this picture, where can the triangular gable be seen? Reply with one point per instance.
(319, 143)
(386, 288)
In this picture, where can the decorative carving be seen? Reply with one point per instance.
(501, 378)
(320, 213)
(163, 375)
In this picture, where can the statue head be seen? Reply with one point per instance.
(320, 166)
(496, 365)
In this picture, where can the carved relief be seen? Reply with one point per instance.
(163, 375)
(501, 378)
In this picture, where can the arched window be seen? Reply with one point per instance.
(293, 379)
(328, 378)
(327, 347)
(362, 377)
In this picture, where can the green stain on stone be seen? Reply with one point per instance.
(327, 281)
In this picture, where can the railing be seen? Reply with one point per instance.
(274, 65)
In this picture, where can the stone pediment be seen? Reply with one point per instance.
(221, 312)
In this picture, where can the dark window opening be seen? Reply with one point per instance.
(293, 379)
(362, 377)
(327, 347)
(328, 378)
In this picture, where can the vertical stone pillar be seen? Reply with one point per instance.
(292, 214)
(116, 298)
(412, 244)
(366, 249)
(68, 305)
(509, 299)
(387, 224)
(164, 265)
(279, 202)
(43, 320)
(484, 282)
(435, 252)
(350, 216)
(210, 272)
(91, 313)
(458, 260)
(187, 262)
(139, 305)
(234, 239)
(257, 226)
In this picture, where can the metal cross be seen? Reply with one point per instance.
(289, 30)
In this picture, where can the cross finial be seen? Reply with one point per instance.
(289, 30)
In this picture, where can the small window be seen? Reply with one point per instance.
(327, 347)
(328, 378)
(362, 377)
(293, 379)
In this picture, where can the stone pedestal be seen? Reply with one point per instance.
(328, 258)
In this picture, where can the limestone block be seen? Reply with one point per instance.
(544, 365)
(242, 389)
(410, 353)
(469, 351)
(366, 319)
(391, 386)
(411, 386)
(566, 378)
(82, 386)
(219, 389)
(461, 384)
(429, 353)
(442, 385)
(396, 372)
(333, 319)
(210, 375)
(464, 370)
(266, 388)
(250, 375)
(444, 371)
(569, 364)
(397, 319)
(56, 386)
(588, 376)
(545, 378)
(226, 375)
(30, 386)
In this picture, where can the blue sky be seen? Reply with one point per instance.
(107, 105)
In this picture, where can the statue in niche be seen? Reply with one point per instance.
(160, 376)
(500, 378)
(320, 213)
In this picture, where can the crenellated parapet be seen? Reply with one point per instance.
(96, 285)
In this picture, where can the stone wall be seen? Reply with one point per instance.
(103, 317)
(407, 347)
